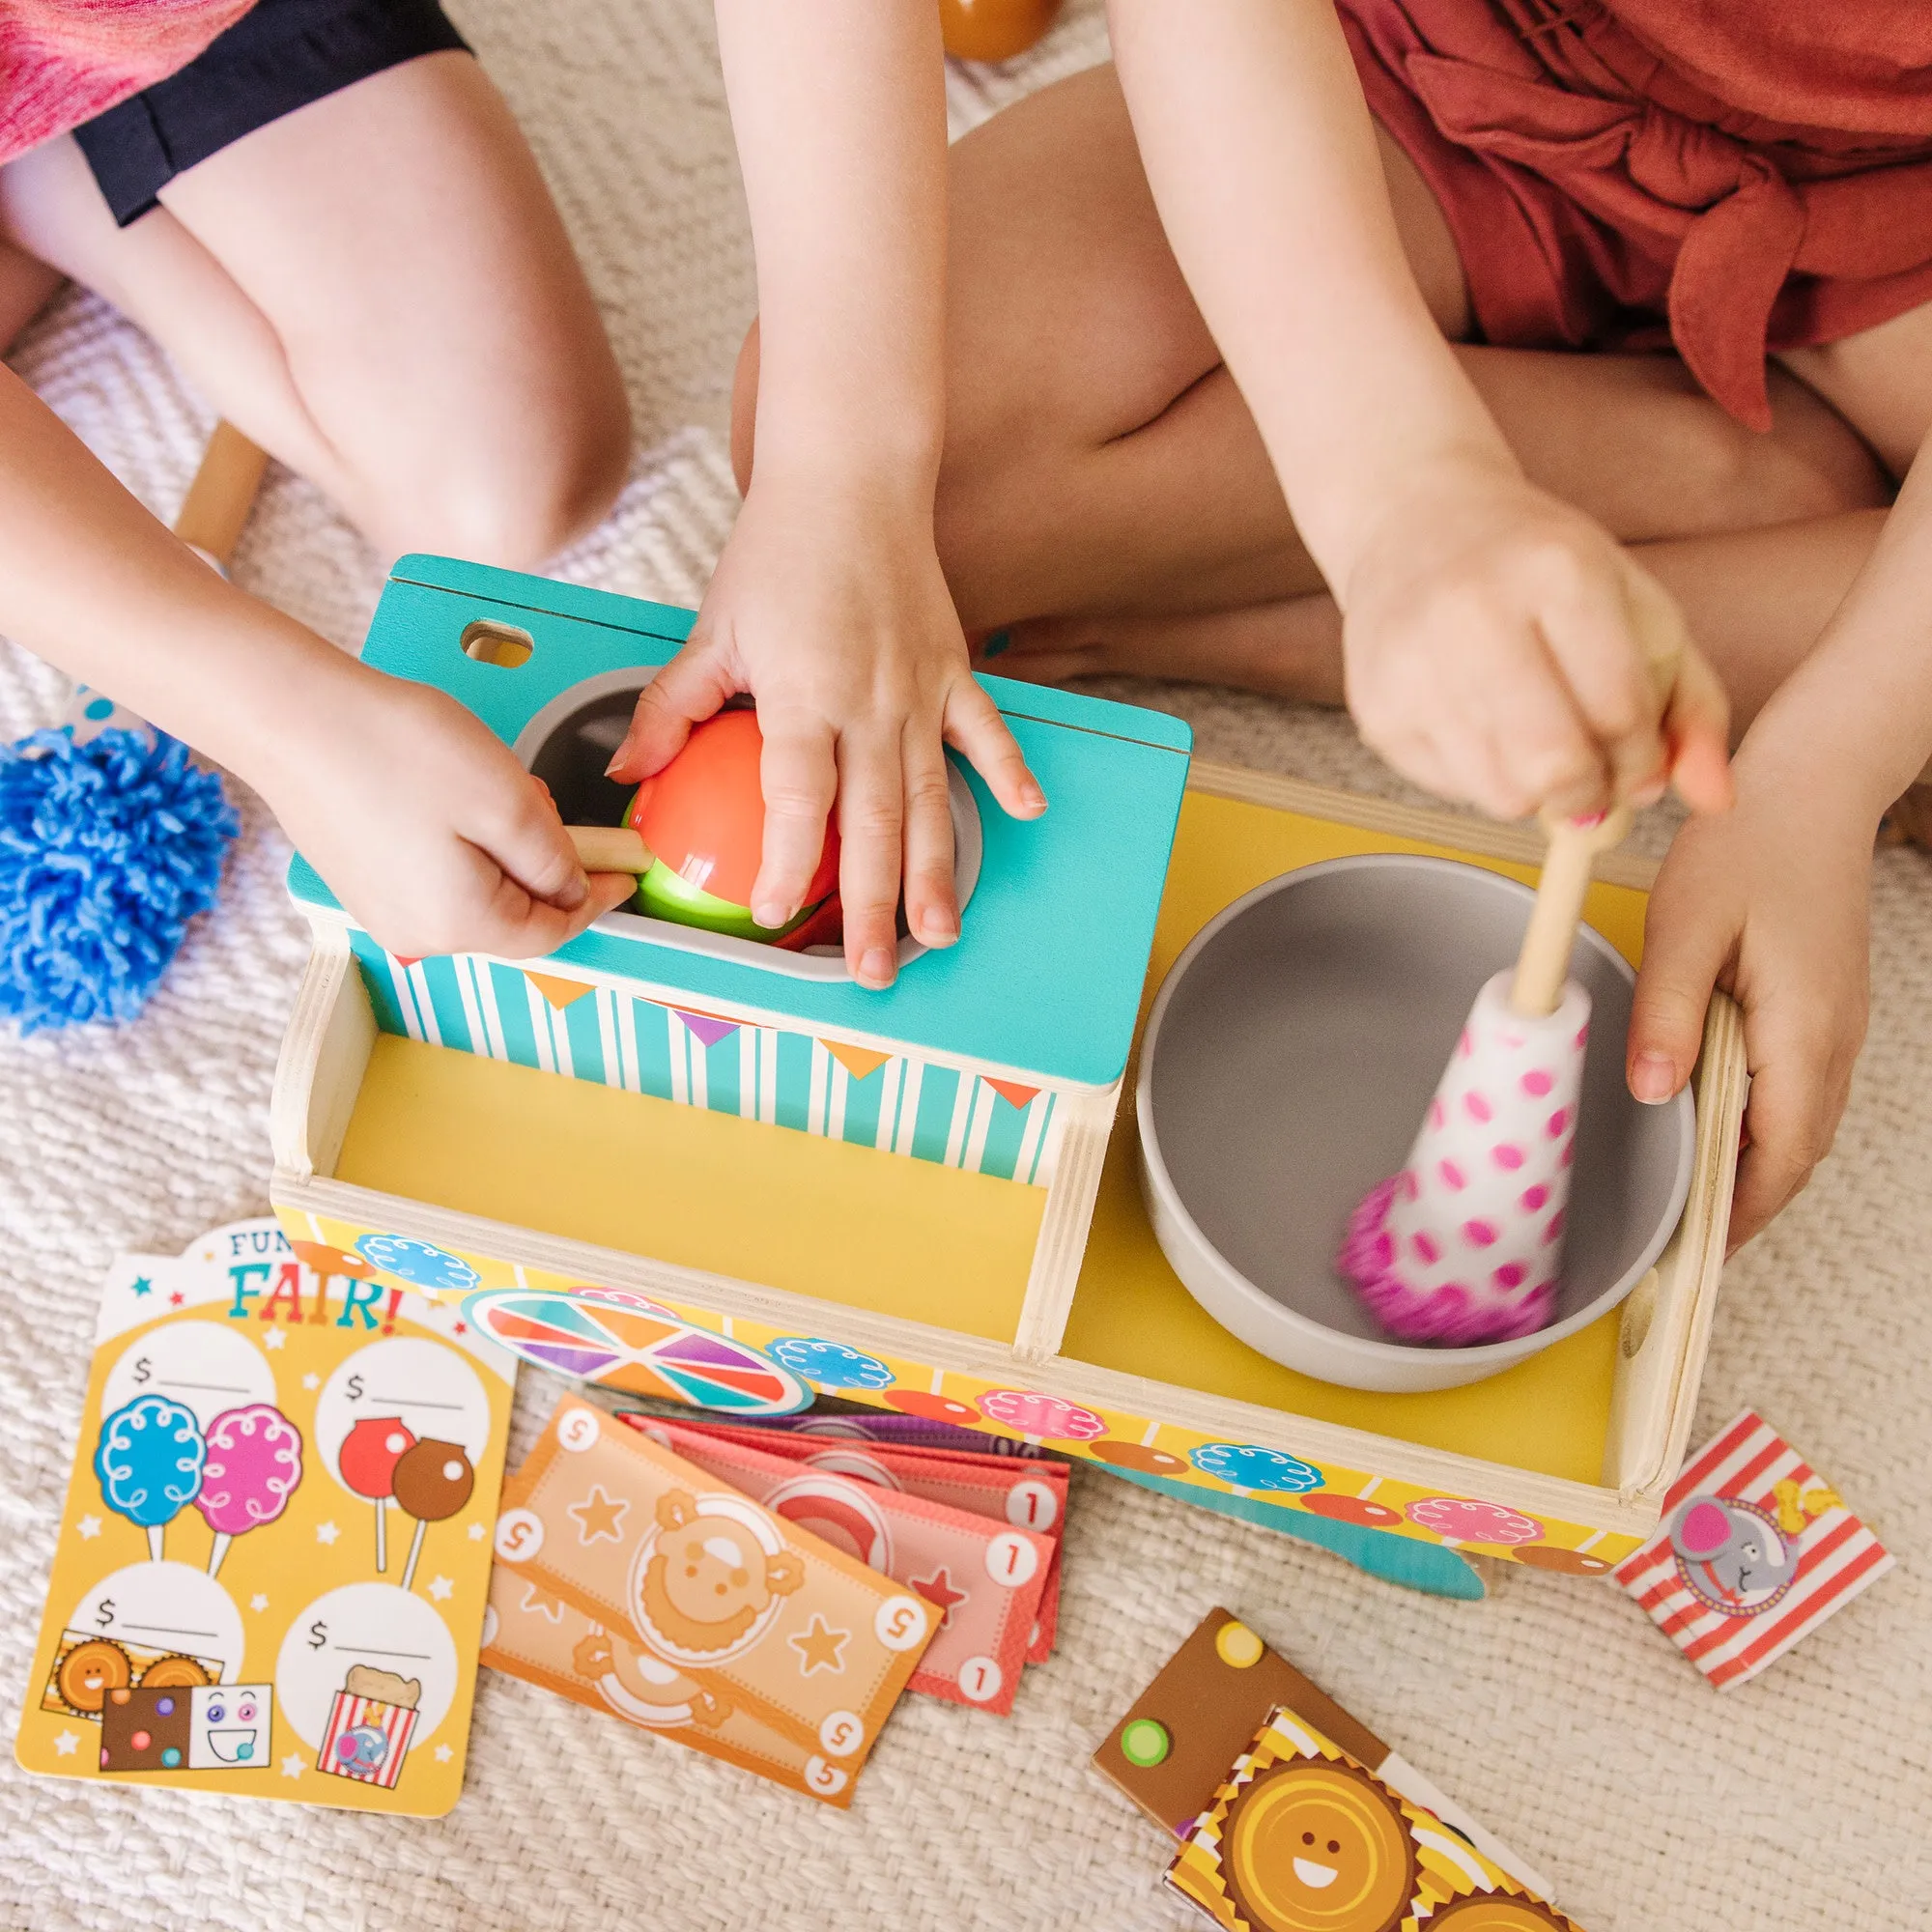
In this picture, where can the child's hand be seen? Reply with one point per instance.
(1769, 901)
(829, 606)
(1497, 646)
(424, 825)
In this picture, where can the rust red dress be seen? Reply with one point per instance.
(1727, 177)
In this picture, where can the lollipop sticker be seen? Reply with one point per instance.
(149, 1463)
(253, 1464)
(383, 1399)
(432, 1481)
(368, 1456)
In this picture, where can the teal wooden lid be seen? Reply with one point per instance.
(1046, 976)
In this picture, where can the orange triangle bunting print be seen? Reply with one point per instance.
(1012, 1093)
(561, 993)
(857, 1060)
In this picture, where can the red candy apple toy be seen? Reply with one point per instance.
(703, 819)
(368, 1458)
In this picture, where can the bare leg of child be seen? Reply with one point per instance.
(378, 289)
(26, 287)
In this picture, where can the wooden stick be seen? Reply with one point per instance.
(611, 849)
(215, 509)
(1544, 963)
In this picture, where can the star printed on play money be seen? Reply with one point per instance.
(938, 1591)
(258, 1602)
(311, 1382)
(65, 1745)
(88, 1528)
(292, 1765)
(541, 1603)
(599, 1515)
(326, 1533)
(441, 1589)
(819, 1646)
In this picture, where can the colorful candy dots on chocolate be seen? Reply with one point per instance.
(1247, 1465)
(1363, 1511)
(1146, 1743)
(1460, 1520)
(1041, 1418)
(704, 818)
(1238, 1647)
(830, 1364)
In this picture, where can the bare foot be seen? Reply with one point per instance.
(1909, 822)
(1292, 649)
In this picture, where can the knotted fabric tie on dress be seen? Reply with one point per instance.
(1620, 172)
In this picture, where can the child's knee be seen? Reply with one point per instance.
(503, 493)
(1811, 465)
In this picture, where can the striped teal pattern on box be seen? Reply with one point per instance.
(891, 1102)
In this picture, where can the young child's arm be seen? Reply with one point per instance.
(1488, 632)
(828, 603)
(422, 823)
(1771, 900)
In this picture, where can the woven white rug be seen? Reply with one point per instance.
(1552, 1710)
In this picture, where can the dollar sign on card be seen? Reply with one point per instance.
(354, 1388)
(317, 1634)
(105, 1615)
(142, 1371)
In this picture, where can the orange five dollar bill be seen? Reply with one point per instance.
(778, 1646)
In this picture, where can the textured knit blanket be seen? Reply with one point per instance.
(1553, 1710)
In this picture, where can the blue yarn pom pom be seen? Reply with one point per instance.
(107, 849)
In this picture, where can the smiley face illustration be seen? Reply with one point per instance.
(229, 1726)
(1318, 1847)
(1499, 1915)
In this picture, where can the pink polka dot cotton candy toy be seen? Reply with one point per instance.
(1463, 1243)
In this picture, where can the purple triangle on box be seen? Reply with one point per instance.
(709, 1031)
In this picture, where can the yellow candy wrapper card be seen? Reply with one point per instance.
(1301, 1838)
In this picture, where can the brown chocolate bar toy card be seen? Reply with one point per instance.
(698, 1577)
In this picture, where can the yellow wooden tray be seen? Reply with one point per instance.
(959, 1284)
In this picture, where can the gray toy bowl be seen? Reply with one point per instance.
(1286, 1067)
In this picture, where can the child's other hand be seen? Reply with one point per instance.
(1497, 648)
(1769, 901)
(829, 607)
(424, 825)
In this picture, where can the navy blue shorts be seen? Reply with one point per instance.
(279, 56)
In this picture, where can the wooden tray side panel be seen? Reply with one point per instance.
(1025, 1391)
(1667, 1322)
(324, 1052)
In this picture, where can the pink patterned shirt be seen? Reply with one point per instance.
(62, 62)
